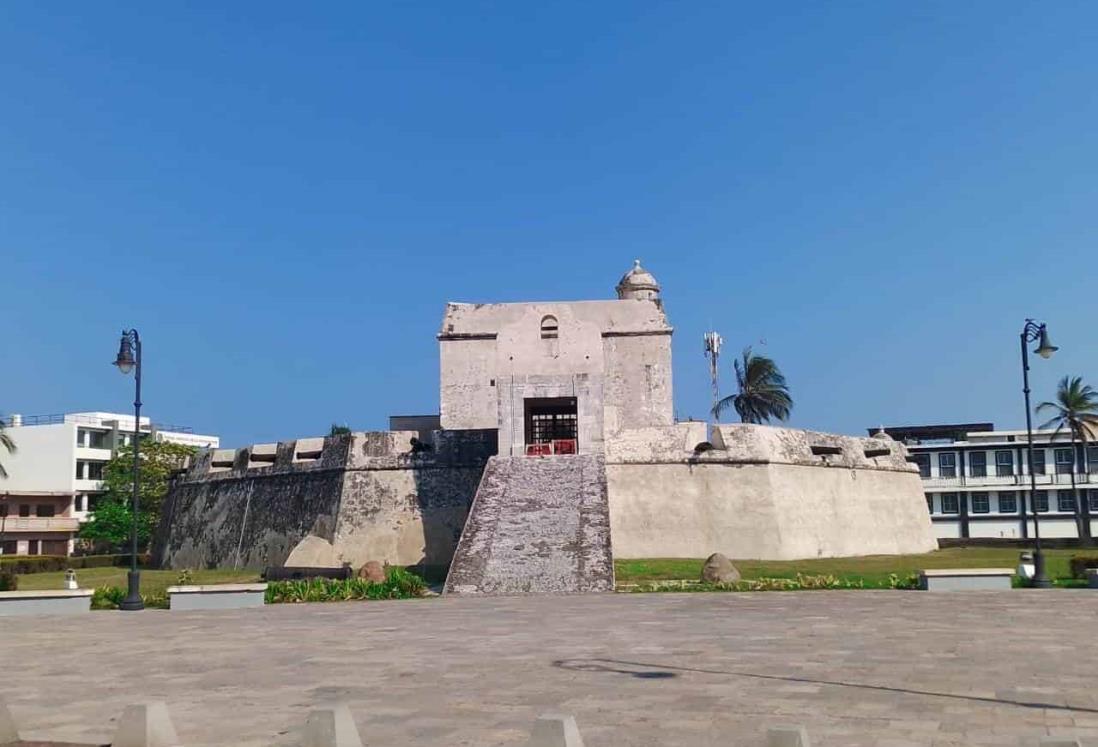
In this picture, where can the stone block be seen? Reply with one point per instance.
(1059, 742)
(787, 736)
(9, 734)
(966, 579)
(331, 726)
(145, 725)
(59, 602)
(313, 552)
(216, 596)
(555, 730)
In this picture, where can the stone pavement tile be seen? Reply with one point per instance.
(479, 671)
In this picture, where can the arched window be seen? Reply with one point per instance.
(549, 328)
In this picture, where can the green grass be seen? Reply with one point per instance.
(872, 570)
(152, 582)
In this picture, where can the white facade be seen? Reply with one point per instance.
(55, 474)
(977, 482)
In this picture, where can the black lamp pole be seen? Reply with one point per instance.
(129, 358)
(1034, 332)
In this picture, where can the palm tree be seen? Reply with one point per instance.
(8, 443)
(1076, 411)
(763, 394)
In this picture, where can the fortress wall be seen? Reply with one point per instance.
(764, 495)
(222, 504)
(367, 493)
(408, 516)
(764, 511)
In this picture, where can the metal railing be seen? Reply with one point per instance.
(59, 418)
(39, 524)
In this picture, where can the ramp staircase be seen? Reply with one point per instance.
(537, 525)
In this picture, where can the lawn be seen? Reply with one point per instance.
(152, 582)
(872, 570)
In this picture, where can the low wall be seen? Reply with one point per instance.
(369, 494)
(769, 493)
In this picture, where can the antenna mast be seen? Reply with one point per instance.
(713, 342)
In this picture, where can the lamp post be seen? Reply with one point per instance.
(129, 359)
(1034, 332)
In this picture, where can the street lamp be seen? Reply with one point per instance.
(1035, 332)
(129, 359)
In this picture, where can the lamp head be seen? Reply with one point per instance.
(125, 361)
(1045, 348)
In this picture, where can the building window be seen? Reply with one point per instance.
(981, 503)
(1008, 502)
(3, 510)
(947, 466)
(78, 502)
(950, 504)
(32, 547)
(930, 502)
(1063, 461)
(1039, 461)
(1004, 463)
(549, 328)
(1065, 501)
(89, 470)
(923, 460)
(1092, 500)
(1040, 501)
(978, 463)
(24, 510)
(44, 510)
(1092, 460)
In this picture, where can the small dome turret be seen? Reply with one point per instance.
(639, 284)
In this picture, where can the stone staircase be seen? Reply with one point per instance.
(537, 525)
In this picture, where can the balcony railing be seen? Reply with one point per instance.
(1045, 480)
(39, 524)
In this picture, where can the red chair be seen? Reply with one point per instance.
(564, 446)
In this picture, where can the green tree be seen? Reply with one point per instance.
(8, 444)
(112, 520)
(762, 392)
(338, 430)
(1076, 411)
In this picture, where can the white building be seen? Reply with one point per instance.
(977, 480)
(55, 476)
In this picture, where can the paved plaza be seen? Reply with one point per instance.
(859, 667)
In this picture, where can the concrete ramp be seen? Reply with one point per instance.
(538, 525)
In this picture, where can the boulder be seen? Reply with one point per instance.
(313, 552)
(719, 570)
(373, 572)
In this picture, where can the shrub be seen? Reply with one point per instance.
(110, 597)
(107, 598)
(911, 581)
(800, 582)
(1080, 563)
(399, 583)
(8, 580)
(24, 564)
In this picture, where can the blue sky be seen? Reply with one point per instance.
(281, 197)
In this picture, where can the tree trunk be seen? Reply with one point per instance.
(1084, 503)
(1080, 530)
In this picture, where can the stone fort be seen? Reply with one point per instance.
(555, 450)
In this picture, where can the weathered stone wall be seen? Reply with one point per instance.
(537, 526)
(765, 494)
(367, 493)
(614, 357)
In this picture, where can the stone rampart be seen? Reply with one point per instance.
(369, 494)
(763, 492)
